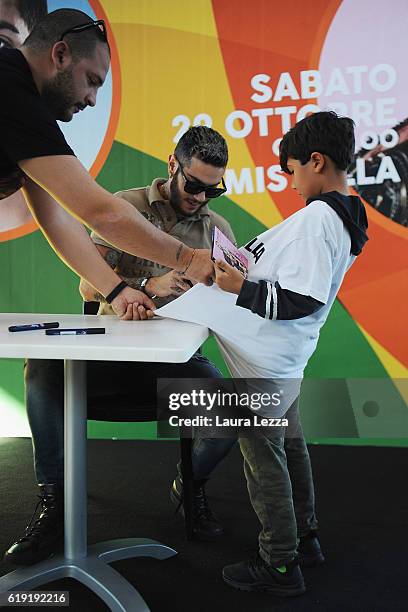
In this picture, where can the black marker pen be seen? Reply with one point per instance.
(85, 331)
(31, 326)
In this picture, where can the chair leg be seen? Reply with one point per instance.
(186, 446)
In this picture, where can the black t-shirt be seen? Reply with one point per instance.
(27, 128)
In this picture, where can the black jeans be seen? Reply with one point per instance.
(136, 381)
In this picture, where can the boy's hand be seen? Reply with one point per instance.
(228, 278)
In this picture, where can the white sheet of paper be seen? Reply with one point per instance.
(239, 335)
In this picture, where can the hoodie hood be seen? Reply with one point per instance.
(352, 212)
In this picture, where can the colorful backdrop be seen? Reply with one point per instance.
(251, 70)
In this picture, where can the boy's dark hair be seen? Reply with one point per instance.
(49, 31)
(204, 143)
(323, 132)
(31, 11)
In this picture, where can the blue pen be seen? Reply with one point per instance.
(31, 326)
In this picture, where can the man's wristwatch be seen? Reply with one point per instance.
(141, 284)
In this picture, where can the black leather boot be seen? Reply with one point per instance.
(309, 552)
(45, 535)
(206, 526)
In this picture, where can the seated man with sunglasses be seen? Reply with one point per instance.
(178, 206)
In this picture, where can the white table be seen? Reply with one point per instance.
(157, 340)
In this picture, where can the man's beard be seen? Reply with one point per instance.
(174, 193)
(175, 197)
(58, 94)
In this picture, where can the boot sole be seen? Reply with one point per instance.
(25, 562)
(30, 559)
(278, 590)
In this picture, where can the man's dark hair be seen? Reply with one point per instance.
(49, 31)
(204, 143)
(322, 132)
(31, 11)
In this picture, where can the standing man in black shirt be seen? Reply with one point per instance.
(56, 74)
(17, 19)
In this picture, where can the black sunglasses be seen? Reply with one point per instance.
(100, 24)
(195, 187)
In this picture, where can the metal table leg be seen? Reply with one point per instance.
(87, 566)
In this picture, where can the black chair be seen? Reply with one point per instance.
(100, 411)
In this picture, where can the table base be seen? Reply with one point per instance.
(93, 571)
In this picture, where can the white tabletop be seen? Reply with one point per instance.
(156, 340)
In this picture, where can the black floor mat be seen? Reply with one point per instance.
(361, 504)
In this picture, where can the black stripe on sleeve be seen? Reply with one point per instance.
(270, 301)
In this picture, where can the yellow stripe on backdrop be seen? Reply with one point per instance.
(395, 368)
(193, 16)
(172, 65)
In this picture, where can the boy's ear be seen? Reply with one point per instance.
(318, 161)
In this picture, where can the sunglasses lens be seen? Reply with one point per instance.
(193, 188)
(210, 192)
(214, 192)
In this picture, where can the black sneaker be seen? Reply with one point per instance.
(309, 551)
(43, 536)
(206, 526)
(256, 575)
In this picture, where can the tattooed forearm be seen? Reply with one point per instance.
(179, 250)
(131, 281)
(112, 257)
